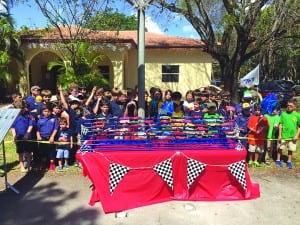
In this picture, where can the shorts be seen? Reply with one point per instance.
(62, 153)
(22, 146)
(271, 144)
(290, 145)
(46, 150)
(256, 148)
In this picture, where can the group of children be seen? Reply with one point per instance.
(50, 130)
(273, 132)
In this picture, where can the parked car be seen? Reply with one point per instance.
(216, 82)
(281, 88)
(296, 89)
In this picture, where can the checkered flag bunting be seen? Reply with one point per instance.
(194, 169)
(116, 173)
(164, 169)
(238, 171)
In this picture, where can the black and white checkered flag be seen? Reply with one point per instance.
(116, 173)
(238, 171)
(194, 169)
(164, 169)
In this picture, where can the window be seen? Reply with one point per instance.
(104, 70)
(170, 73)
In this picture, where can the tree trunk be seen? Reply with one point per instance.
(230, 74)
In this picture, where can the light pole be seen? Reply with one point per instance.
(141, 5)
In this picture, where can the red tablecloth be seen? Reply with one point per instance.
(129, 179)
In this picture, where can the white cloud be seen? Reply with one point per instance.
(152, 26)
(188, 29)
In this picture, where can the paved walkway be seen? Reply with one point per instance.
(48, 199)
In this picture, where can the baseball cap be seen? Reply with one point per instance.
(35, 87)
(246, 105)
(211, 104)
(72, 98)
(247, 94)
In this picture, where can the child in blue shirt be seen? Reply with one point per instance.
(21, 130)
(73, 109)
(104, 110)
(196, 113)
(241, 122)
(47, 127)
(84, 126)
(64, 144)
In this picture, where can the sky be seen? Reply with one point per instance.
(28, 14)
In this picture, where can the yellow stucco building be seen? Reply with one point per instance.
(175, 63)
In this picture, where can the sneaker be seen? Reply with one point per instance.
(268, 162)
(60, 169)
(289, 165)
(250, 163)
(278, 163)
(256, 164)
(67, 166)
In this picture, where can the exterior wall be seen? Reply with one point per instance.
(37, 58)
(114, 57)
(17, 78)
(131, 80)
(195, 69)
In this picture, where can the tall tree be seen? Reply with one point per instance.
(70, 17)
(280, 58)
(226, 27)
(112, 20)
(9, 41)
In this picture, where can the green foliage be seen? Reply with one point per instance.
(9, 47)
(81, 68)
(112, 20)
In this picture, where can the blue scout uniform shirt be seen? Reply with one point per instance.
(46, 125)
(21, 124)
(64, 136)
(196, 114)
(74, 117)
(33, 105)
(31, 100)
(223, 109)
(115, 109)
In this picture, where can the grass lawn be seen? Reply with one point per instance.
(12, 157)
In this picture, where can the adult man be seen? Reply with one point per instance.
(35, 91)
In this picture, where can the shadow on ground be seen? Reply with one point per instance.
(44, 203)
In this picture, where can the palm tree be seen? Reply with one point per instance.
(4, 10)
(9, 41)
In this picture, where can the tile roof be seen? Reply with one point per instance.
(152, 40)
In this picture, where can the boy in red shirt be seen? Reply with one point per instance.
(258, 126)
